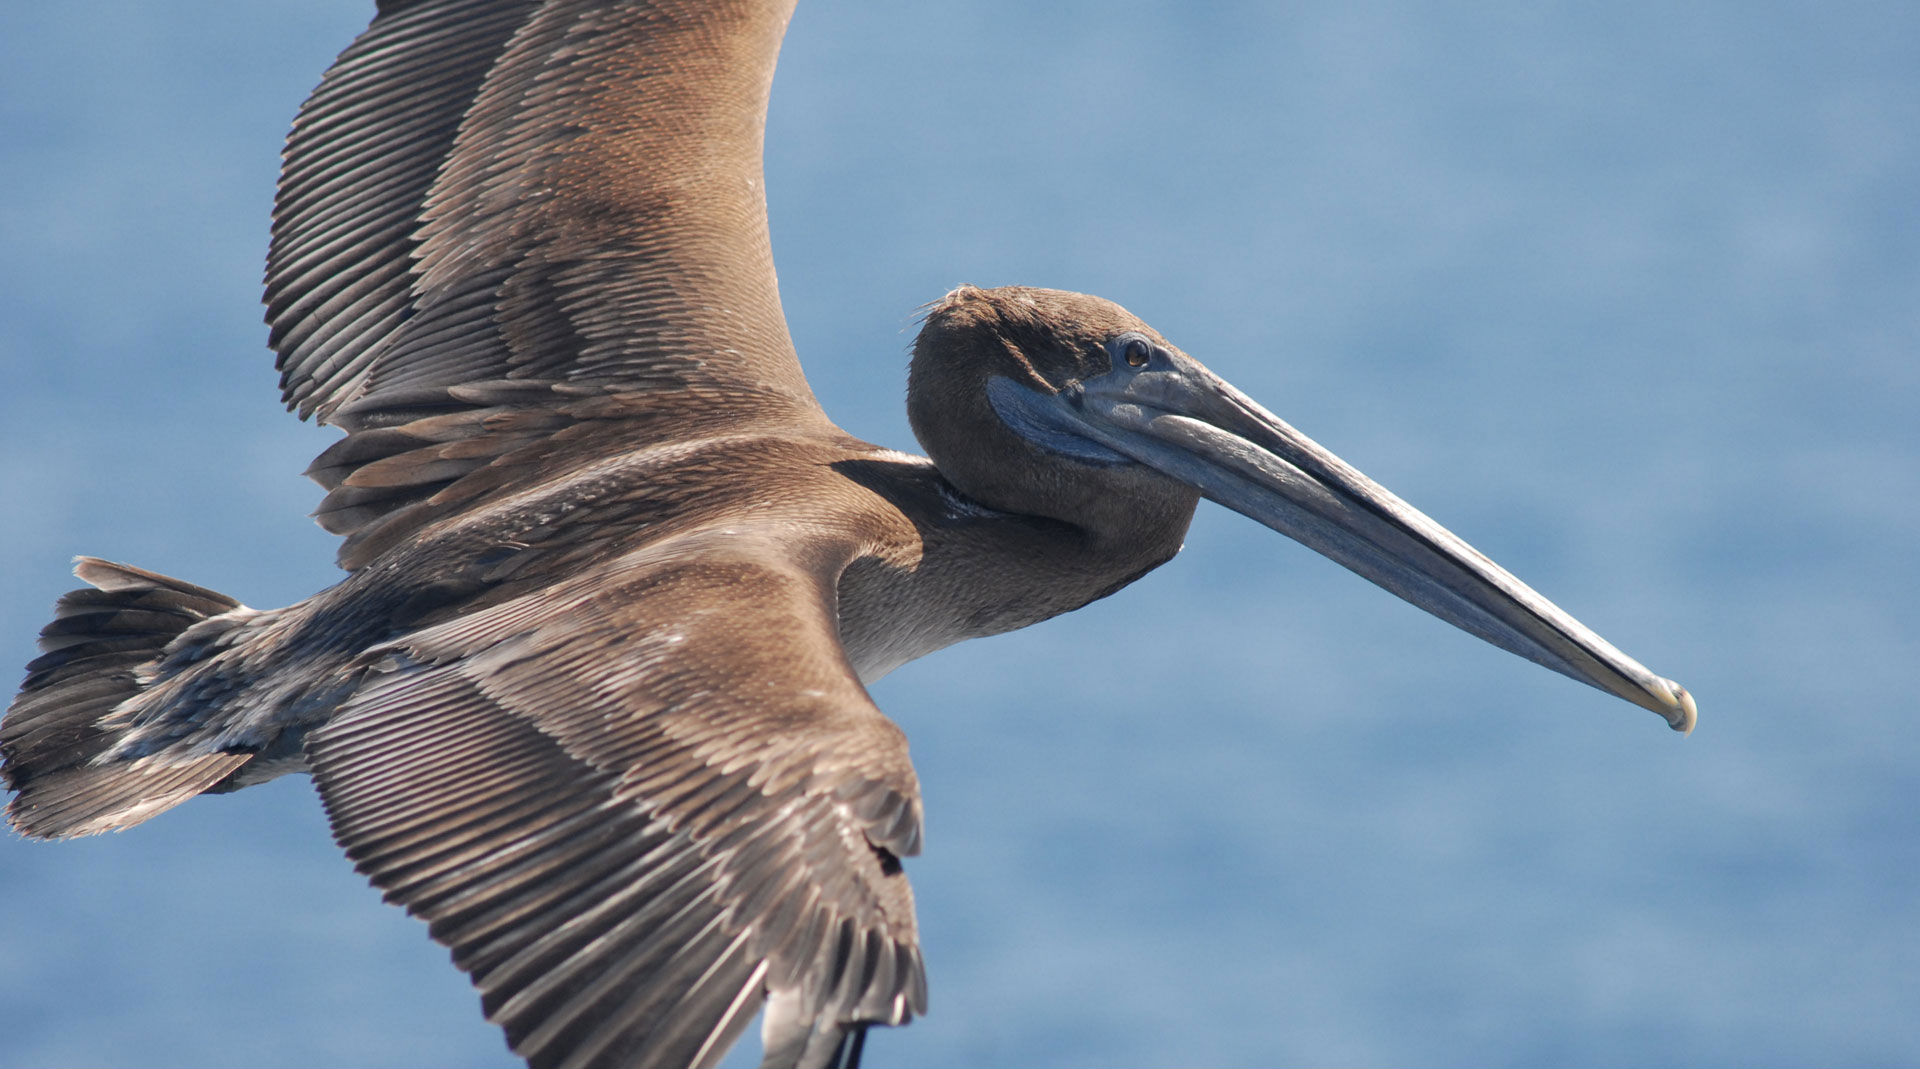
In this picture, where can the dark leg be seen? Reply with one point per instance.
(857, 1044)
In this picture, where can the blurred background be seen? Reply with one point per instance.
(1627, 295)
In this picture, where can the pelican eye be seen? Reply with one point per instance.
(1134, 349)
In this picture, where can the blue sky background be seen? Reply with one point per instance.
(1628, 295)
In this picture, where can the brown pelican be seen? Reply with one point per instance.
(590, 700)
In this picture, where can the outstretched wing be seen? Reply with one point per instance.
(636, 807)
(513, 234)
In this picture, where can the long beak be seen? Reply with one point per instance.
(1178, 417)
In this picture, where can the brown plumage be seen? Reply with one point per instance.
(590, 698)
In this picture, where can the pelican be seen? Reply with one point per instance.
(591, 697)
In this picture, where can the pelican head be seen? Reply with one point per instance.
(1067, 406)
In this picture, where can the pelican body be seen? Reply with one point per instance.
(590, 699)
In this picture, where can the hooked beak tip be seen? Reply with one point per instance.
(1681, 713)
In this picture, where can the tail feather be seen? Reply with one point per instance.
(89, 799)
(94, 657)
